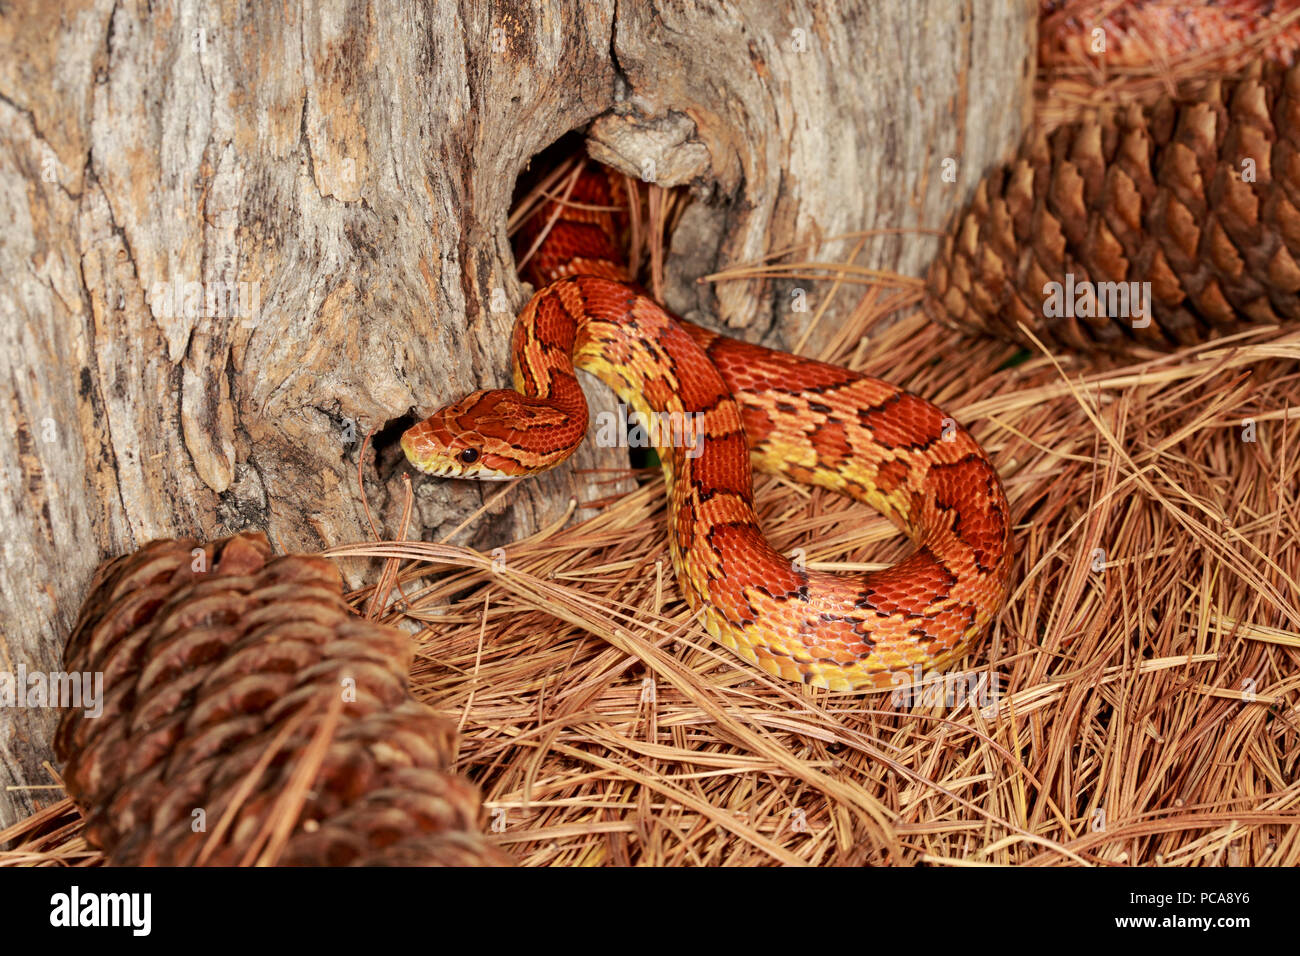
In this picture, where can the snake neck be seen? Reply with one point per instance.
(686, 411)
(671, 395)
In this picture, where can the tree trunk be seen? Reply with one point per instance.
(240, 235)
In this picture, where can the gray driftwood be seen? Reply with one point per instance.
(238, 236)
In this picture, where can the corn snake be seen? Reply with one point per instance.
(755, 408)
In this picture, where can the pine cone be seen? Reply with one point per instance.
(1198, 198)
(227, 673)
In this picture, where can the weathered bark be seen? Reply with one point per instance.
(351, 165)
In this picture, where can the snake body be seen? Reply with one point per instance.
(742, 406)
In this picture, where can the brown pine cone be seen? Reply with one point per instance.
(1198, 198)
(250, 716)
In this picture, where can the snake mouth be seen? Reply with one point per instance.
(485, 474)
(455, 470)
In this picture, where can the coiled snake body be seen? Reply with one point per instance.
(740, 405)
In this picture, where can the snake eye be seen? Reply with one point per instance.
(469, 456)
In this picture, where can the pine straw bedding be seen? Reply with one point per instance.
(1146, 712)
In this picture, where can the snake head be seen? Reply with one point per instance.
(491, 435)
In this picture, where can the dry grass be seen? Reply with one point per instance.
(1138, 700)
